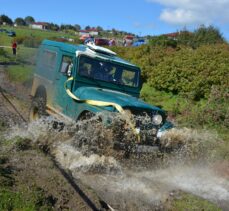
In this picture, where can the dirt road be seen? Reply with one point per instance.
(31, 167)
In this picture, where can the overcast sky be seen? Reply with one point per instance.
(141, 17)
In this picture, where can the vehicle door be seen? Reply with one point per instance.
(65, 70)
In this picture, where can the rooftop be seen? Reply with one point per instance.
(85, 49)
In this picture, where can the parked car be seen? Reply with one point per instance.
(139, 42)
(74, 82)
(84, 37)
(3, 30)
(11, 33)
(101, 41)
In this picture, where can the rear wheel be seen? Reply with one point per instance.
(37, 109)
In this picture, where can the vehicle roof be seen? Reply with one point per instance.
(84, 48)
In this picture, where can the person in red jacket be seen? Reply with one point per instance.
(14, 48)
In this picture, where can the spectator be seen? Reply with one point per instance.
(89, 40)
(111, 42)
(124, 42)
(14, 48)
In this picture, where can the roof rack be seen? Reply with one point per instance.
(99, 49)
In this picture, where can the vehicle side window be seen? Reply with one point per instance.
(129, 78)
(85, 66)
(49, 59)
(65, 64)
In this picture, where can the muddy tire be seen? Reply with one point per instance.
(37, 109)
(86, 116)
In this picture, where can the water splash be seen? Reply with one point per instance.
(137, 188)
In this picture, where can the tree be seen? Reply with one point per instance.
(114, 31)
(87, 28)
(77, 27)
(53, 27)
(185, 37)
(207, 35)
(5, 19)
(67, 27)
(20, 21)
(29, 20)
(99, 28)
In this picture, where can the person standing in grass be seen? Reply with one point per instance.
(14, 48)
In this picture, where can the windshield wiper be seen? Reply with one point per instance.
(119, 85)
(96, 81)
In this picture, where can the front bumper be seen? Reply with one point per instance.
(164, 129)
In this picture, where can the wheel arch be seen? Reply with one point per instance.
(41, 92)
(84, 113)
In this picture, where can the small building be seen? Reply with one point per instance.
(39, 25)
(173, 35)
(83, 32)
(128, 40)
(91, 32)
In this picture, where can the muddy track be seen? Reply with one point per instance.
(32, 167)
(9, 91)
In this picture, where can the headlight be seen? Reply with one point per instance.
(157, 119)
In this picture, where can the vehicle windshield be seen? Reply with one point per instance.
(109, 72)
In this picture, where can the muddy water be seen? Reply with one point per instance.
(137, 187)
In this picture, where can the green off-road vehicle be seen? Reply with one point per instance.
(74, 82)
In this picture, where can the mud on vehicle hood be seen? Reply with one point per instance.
(107, 95)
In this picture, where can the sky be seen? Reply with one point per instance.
(141, 17)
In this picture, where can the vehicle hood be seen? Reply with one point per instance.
(107, 95)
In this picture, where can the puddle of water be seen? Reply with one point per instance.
(134, 188)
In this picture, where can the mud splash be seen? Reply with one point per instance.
(139, 187)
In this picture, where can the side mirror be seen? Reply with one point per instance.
(69, 70)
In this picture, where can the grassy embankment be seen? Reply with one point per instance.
(20, 67)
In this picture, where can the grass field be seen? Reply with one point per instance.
(20, 73)
(25, 31)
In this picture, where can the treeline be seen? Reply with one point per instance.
(19, 21)
(200, 36)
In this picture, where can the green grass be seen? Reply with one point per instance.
(20, 73)
(4, 57)
(26, 31)
(168, 101)
(192, 203)
(15, 195)
(26, 200)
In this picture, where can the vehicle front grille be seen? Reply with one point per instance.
(144, 119)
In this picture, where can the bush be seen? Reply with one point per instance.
(4, 56)
(163, 41)
(20, 39)
(211, 112)
(216, 111)
(183, 70)
(2, 52)
(207, 35)
(32, 42)
(192, 72)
